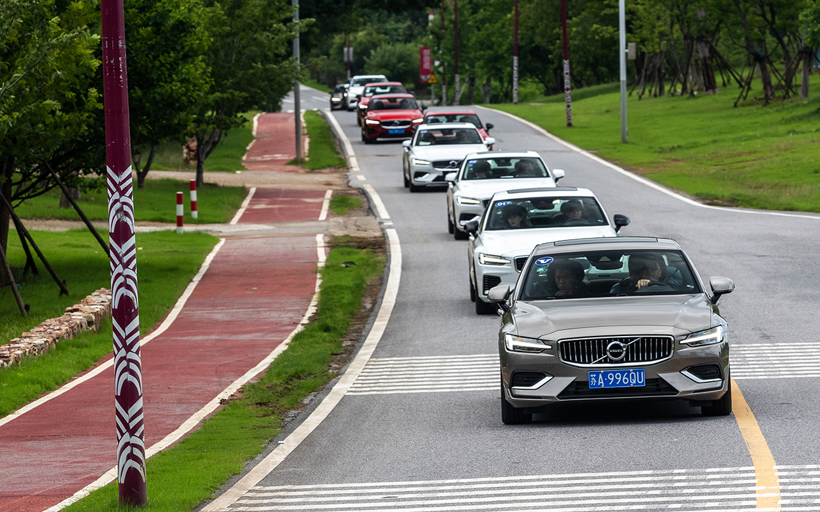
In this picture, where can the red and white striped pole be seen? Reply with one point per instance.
(179, 212)
(193, 199)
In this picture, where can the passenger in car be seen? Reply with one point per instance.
(569, 280)
(525, 169)
(515, 216)
(647, 270)
(481, 170)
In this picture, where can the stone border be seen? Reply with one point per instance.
(83, 316)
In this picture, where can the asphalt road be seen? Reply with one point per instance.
(446, 448)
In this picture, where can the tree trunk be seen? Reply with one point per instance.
(804, 81)
(141, 174)
(470, 89)
(6, 168)
(487, 85)
(204, 148)
(65, 201)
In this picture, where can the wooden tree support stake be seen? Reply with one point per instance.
(12, 283)
(79, 211)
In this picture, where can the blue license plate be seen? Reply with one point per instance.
(606, 379)
(395, 131)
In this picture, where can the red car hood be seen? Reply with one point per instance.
(385, 115)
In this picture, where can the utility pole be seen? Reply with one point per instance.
(567, 93)
(456, 92)
(622, 54)
(297, 104)
(129, 419)
(443, 65)
(515, 55)
(347, 59)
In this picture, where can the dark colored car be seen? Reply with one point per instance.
(375, 89)
(393, 116)
(611, 319)
(337, 97)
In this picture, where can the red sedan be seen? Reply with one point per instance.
(459, 116)
(393, 116)
(374, 89)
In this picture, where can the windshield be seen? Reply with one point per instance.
(453, 118)
(608, 274)
(504, 168)
(392, 104)
(361, 82)
(545, 212)
(431, 137)
(385, 89)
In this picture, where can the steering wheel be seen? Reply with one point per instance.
(576, 222)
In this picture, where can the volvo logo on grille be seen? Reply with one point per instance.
(453, 163)
(616, 351)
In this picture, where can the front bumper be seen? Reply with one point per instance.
(569, 383)
(489, 276)
(466, 212)
(376, 131)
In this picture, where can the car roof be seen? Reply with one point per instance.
(445, 112)
(367, 76)
(382, 84)
(543, 192)
(392, 95)
(502, 154)
(608, 243)
(446, 126)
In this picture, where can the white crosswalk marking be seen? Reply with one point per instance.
(401, 375)
(701, 490)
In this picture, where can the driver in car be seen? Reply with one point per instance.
(646, 270)
(515, 216)
(573, 212)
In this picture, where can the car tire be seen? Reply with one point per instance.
(511, 415)
(484, 308)
(359, 122)
(365, 139)
(721, 407)
(450, 227)
(406, 180)
(414, 188)
(459, 234)
(472, 290)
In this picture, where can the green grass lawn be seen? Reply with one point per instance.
(166, 262)
(322, 152)
(183, 476)
(156, 202)
(753, 156)
(317, 85)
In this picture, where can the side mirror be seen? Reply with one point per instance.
(620, 221)
(557, 174)
(471, 226)
(450, 176)
(489, 126)
(406, 143)
(499, 293)
(489, 141)
(720, 286)
(423, 107)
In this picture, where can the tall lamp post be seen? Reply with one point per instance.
(297, 105)
(567, 92)
(515, 55)
(131, 477)
(456, 99)
(622, 55)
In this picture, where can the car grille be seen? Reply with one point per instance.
(489, 282)
(519, 262)
(447, 164)
(396, 123)
(592, 351)
(580, 389)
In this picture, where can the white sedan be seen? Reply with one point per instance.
(437, 150)
(516, 221)
(483, 174)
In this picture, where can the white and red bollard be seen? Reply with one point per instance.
(179, 212)
(193, 199)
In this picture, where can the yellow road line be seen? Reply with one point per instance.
(768, 492)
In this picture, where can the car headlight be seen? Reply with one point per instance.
(522, 344)
(418, 121)
(418, 161)
(707, 337)
(362, 106)
(491, 259)
(371, 121)
(467, 200)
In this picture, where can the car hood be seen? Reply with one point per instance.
(513, 242)
(447, 151)
(484, 189)
(582, 317)
(385, 115)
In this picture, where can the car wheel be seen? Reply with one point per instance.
(359, 121)
(509, 414)
(472, 290)
(459, 234)
(366, 139)
(722, 407)
(484, 308)
(450, 227)
(405, 178)
(414, 188)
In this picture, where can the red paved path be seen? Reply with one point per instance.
(275, 144)
(283, 205)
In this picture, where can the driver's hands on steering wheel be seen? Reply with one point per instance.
(646, 282)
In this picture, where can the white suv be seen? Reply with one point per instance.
(356, 88)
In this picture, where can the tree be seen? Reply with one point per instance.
(251, 67)
(399, 62)
(167, 75)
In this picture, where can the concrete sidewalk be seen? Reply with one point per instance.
(256, 289)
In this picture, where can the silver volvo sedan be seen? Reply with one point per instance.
(611, 319)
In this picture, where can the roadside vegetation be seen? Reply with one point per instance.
(746, 156)
(188, 473)
(167, 262)
(156, 203)
(340, 204)
(322, 151)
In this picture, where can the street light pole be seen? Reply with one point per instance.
(567, 92)
(297, 105)
(515, 55)
(131, 477)
(455, 93)
(443, 65)
(622, 54)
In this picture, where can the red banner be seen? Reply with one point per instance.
(425, 64)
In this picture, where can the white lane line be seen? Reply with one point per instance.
(342, 386)
(641, 179)
(211, 406)
(361, 177)
(243, 206)
(255, 126)
(352, 162)
(325, 205)
(104, 366)
(377, 201)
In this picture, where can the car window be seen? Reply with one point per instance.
(392, 104)
(431, 137)
(359, 82)
(453, 118)
(504, 168)
(545, 212)
(608, 274)
(386, 89)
